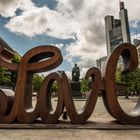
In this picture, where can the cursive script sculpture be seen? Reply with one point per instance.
(18, 106)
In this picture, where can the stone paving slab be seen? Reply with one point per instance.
(100, 116)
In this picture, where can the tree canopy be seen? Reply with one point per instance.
(132, 79)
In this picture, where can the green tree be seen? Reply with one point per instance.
(4, 77)
(37, 80)
(133, 81)
(15, 59)
(118, 75)
(84, 85)
(54, 87)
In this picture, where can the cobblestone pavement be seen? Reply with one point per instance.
(78, 134)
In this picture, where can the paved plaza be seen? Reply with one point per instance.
(99, 113)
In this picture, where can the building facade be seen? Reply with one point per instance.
(138, 50)
(137, 44)
(117, 30)
(100, 62)
(5, 50)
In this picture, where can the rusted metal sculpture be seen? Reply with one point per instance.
(130, 62)
(43, 58)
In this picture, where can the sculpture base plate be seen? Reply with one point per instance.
(95, 125)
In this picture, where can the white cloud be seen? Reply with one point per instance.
(68, 73)
(90, 43)
(87, 52)
(42, 21)
(91, 36)
(135, 25)
(9, 7)
(135, 36)
(83, 72)
(133, 7)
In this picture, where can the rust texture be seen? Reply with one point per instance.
(18, 106)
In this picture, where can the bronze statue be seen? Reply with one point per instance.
(75, 73)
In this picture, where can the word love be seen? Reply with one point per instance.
(18, 106)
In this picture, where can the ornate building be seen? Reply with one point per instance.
(5, 50)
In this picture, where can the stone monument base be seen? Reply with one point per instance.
(76, 89)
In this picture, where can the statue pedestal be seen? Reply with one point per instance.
(76, 88)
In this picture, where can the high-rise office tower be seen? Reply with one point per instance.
(117, 30)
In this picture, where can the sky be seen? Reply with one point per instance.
(76, 27)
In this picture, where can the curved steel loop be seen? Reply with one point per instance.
(81, 118)
(29, 64)
(130, 59)
(8, 65)
(34, 58)
(44, 99)
(6, 103)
